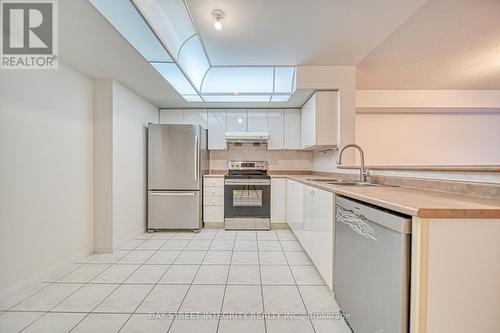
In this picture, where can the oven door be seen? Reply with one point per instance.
(247, 198)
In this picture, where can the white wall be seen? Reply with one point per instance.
(131, 114)
(46, 173)
(120, 162)
(103, 165)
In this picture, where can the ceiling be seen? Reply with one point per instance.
(335, 32)
(88, 43)
(448, 44)
(297, 32)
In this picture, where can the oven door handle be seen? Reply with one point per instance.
(263, 182)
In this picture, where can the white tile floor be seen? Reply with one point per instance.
(256, 277)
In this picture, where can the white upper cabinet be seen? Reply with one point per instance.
(257, 120)
(171, 116)
(292, 128)
(236, 120)
(276, 129)
(217, 129)
(319, 118)
(196, 117)
(284, 129)
(283, 125)
(184, 116)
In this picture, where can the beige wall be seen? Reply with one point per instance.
(46, 177)
(429, 139)
(131, 114)
(429, 127)
(277, 159)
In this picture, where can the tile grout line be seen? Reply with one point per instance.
(191, 283)
(183, 250)
(261, 285)
(297, 286)
(82, 285)
(227, 280)
(154, 286)
(47, 284)
(119, 285)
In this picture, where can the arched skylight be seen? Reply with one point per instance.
(163, 32)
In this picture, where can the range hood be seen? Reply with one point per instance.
(247, 137)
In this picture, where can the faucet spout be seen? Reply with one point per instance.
(363, 172)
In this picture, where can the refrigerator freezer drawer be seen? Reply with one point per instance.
(174, 210)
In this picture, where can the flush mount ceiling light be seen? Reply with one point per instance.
(162, 31)
(218, 16)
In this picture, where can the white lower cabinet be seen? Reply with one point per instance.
(310, 216)
(213, 199)
(295, 207)
(322, 233)
(278, 200)
(308, 197)
(212, 214)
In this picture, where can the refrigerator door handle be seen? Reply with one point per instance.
(196, 167)
(167, 194)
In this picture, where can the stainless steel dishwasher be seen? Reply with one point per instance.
(372, 265)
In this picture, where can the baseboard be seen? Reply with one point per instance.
(220, 225)
(41, 276)
(103, 250)
(279, 226)
(214, 225)
(131, 236)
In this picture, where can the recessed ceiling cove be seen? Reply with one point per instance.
(163, 32)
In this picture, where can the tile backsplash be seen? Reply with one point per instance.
(276, 159)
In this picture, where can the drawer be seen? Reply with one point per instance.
(212, 181)
(213, 191)
(213, 214)
(209, 200)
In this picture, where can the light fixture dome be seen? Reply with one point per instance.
(218, 15)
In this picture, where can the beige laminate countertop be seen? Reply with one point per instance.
(409, 201)
(414, 202)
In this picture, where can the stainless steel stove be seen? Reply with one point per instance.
(247, 196)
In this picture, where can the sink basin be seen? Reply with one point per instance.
(351, 182)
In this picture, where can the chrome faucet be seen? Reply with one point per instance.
(363, 172)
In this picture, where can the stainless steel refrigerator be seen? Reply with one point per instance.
(178, 158)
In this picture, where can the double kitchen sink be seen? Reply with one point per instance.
(333, 181)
